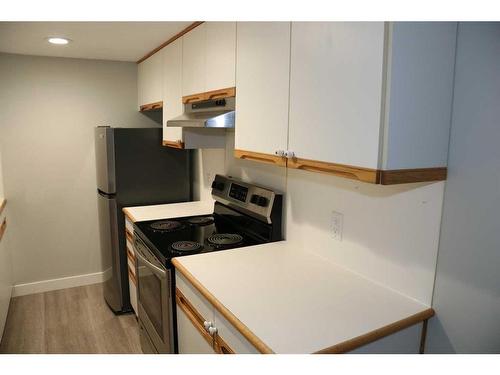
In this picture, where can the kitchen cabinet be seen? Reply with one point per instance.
(201, 328)
(131, 263)
(149, 82)
(193, 61)
(178, 137)
(172, 92)
(262, 78)
(367, 101)
(208, 61)
(220, 60)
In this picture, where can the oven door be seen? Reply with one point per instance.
(154, 298)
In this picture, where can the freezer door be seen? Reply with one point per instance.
(105, 159)
(110, 251)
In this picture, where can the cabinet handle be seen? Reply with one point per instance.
(280, 153)
(212, 330)
(289, 154)
(207, 325)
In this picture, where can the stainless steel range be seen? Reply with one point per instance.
(244, 215)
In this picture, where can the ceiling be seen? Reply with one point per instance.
(122, 41)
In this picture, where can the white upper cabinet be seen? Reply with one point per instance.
(172, 90)
(372, 95)
(262, 81)
(194, 61)
(209, 54)
(220, 61)
(418, 102)
(367, 100)
(336, 84)
(149, 80)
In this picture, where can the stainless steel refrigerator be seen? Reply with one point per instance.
(133, 169)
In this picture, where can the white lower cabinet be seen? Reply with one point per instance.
(201, 329)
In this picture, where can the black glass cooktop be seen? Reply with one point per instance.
(171, 238)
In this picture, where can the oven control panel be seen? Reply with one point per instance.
(256, 200)
(238, 192)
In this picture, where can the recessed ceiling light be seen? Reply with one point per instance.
(58, 40)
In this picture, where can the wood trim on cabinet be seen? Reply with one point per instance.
(405, 176)
(131, 255)
(261, 157)
(176, 144)
(129, 215)
(240, 327)
(423, 336)
(151, 106)
(193, 98)
(2, 205)
(340, 170)
(132, 276)
(193, 315)
(228, 92)
(387, 330)
(3, 228)
(221, 347)
(215, 94)
(172, 39)
(129, 236)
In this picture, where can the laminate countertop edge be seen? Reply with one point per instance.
(129, 215)
(338, 348)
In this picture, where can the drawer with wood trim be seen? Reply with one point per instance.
(131, 261)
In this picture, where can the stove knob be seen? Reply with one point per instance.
(218, 185)
(262, 201)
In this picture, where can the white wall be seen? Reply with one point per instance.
(5, 263)
(467, 290)
(390, 233)
(49, 107)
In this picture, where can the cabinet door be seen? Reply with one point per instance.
(220, 63)
(191, 340)
(262, 80)
(193, 61)
(336, 83)
(172, 90)
(149, 80)
(229, 340)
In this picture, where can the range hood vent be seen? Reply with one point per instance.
(217, 113)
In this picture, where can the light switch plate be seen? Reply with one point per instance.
(337, 225)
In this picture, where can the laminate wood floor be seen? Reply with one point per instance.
(74, 320)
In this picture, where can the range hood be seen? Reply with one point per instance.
(217, 113)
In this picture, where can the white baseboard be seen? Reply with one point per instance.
(62, 283)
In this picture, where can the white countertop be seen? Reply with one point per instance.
(166, 211)
(295, 301)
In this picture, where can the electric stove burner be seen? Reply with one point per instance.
(165, 226)
(186, 246)
(201, 220)
(225, 239)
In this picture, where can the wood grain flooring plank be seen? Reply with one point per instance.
(68, 321)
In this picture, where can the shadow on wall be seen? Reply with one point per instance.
(156, 116)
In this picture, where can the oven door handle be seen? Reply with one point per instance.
(157, 270)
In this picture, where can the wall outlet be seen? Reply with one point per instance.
(337, 225)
